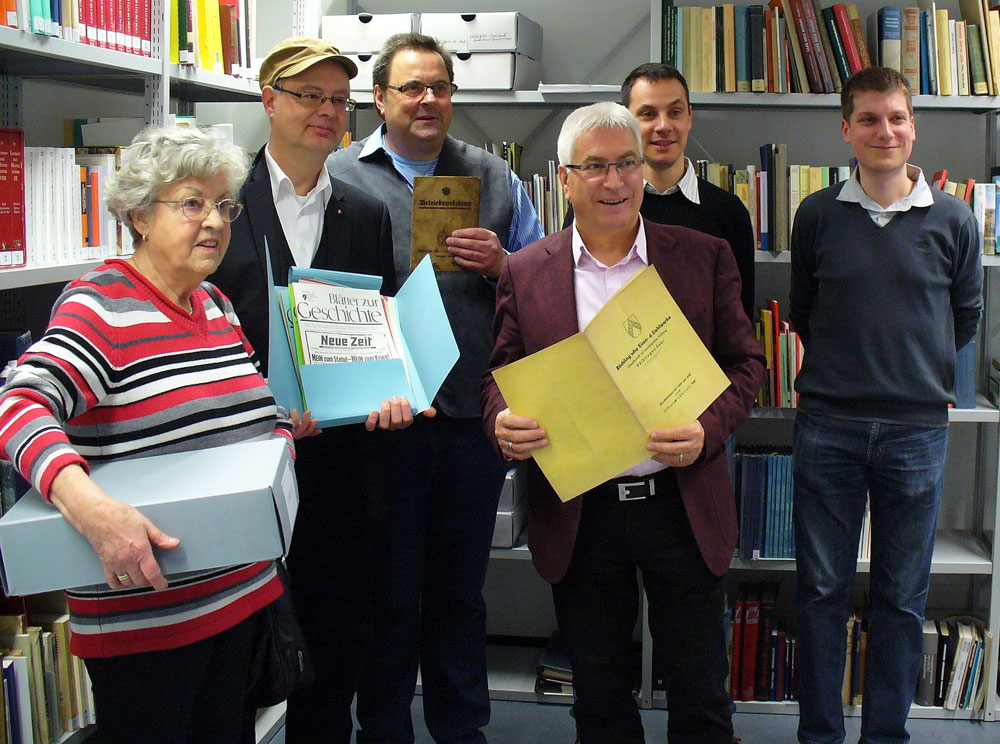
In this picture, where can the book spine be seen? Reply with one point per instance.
(910, 47)
(839, 54)
(805, 44)
(826, 72)
(859, 35)
(846, 32)
(977, 68)
(757, 49)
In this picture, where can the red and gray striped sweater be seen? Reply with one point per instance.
(122, 372)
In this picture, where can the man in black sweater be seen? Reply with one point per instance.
(657, 95)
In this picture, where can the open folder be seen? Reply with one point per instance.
(345, 393)
(637, 366)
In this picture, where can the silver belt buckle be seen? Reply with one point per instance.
(636, 490)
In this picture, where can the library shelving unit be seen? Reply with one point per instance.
(165, 87)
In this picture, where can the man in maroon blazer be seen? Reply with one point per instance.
(673, 516)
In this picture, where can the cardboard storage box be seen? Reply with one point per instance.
(365, 63)
(509, 525)
(365, 32)
(484, 32)
(513, 488)
(496, 71)
(227, 505)
(512, 511)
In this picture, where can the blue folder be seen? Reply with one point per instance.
(346, 393)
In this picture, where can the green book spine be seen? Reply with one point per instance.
(977, 69)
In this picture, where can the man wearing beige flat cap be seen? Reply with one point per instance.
(308, 218)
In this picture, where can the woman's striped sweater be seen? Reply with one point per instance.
(122, 372)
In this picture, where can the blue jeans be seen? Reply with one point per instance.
(837, 464)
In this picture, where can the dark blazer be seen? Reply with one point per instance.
(536, 307)
(357, 237)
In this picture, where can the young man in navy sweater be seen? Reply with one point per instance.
(886, 285)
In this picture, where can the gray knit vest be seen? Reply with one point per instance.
(469, 298)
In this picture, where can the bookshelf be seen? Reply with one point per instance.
(51, 66)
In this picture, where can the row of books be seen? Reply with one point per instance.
(52, 204)
(214, 35)
(955, 664)
(46, 690)
(786, 46)
(764, 659)
(508, 151)
(939, 54)
(764, 487)
(784, 351)
(548, 198)
(121, 25)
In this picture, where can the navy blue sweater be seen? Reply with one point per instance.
(881, 310)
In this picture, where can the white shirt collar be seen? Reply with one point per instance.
(920, 195)
(688, 185)
(281, 184)
(638, 247)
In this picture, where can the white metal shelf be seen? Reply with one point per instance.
(791, 708)
(955, 552)
(13, 278)
(18, 46)
(983, 413)
(785, 257)
(192, 83)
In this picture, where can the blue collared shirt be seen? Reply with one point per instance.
(524, 224)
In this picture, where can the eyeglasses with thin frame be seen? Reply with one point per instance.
(415, 89)
(594, 171)
(312, 100)
(196, 208)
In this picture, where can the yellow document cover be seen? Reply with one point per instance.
(637, 366)
(441, 205)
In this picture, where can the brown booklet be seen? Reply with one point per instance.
(441, 204)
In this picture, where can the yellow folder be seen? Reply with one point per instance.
(637, 366)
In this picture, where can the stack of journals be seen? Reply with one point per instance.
(764, 495)
(554, 673)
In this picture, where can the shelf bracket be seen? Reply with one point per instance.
(10, 100)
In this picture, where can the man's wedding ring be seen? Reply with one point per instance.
(680, 457)
(123, 577)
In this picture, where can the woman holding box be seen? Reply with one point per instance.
(143, 357)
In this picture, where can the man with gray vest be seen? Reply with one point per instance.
(431, 553)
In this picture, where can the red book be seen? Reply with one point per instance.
(772, 305)
(13, 251)
(805, 44)
(968, 190)
(751, 621)
(847, 37)
(812, 24)
(939, 178)
(734, 672)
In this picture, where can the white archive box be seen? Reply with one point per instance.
(365, 63)
(509, 526)
(365, 32)
(513, 488)
(496, 71)
(228, 505)
(484, 32)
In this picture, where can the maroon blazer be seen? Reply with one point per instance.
(536, 307)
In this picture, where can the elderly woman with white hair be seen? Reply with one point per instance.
(142, 357)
